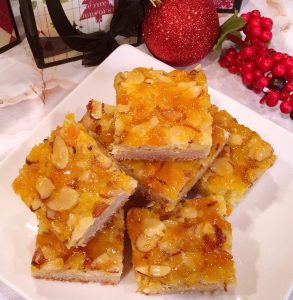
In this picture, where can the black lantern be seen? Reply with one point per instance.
(9, 36)
(59, 31)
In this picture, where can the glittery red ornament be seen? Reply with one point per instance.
(181, 32)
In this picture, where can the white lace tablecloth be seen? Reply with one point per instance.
(27, 93)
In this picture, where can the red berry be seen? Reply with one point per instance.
(266, 36)
(247, 78)
(274, 95)
(238, 57)
(223, 63)
(288, 62)
(254, 22)
(255, 31)
(284, 95)
(271, 101)
(263, 52)
(277, 57)
(279, 70)
(286, 107)
(265, 64)
(248, 66)
(266, 23)
(231, 52)
(246, 16)
(246, 30)
(255, 13)
(239, 70)
(289, 74)
(257, 90)
(248, 52)
(232, 69)
(262, 82)
(289, 87)
(263, 100)
(258, 73)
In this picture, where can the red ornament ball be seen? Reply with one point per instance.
(181, 32)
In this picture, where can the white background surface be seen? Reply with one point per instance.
(27, 94)
(258, 222)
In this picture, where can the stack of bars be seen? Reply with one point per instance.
(162, 139)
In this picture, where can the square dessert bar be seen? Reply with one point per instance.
(100, 260)
(162, 116)
(244, 159)
(166, 182)
(188, 250)
(71, 184)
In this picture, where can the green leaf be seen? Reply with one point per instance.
(232, 25)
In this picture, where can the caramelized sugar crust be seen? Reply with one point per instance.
(244, 159)
(69, 182)
(187, 249)
(164, 182)
(160, 109)
(103, 253)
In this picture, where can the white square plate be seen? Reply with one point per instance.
(262, 223)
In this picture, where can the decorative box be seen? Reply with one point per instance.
(60, 31)
(228, 5)
(8, 32)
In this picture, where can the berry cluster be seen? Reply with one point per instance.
(262, 69)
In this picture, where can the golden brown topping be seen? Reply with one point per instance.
(99, 209)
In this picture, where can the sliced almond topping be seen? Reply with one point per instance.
(134, 77)
(154, 227)
(51, 214)
(64, 199)
(260, 152)
(101, 259)
(71, 220)
(49, 252)
(54, 265)
(222, 166)
(189, 212)
(38, 257)
(95, 109)
(104, 161)
(145, 243)
(159, 271)
(143, 270)
(60, 156)
(80, 229)
(85, 176)
(235, 139)
(44, 187)
(36, 205)
(168, 246)
(204, 229)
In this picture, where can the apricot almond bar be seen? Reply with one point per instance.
(242, 161)
(100, 260)
(162, 116)
(71, 184)
(166, 182)
(188, 250)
